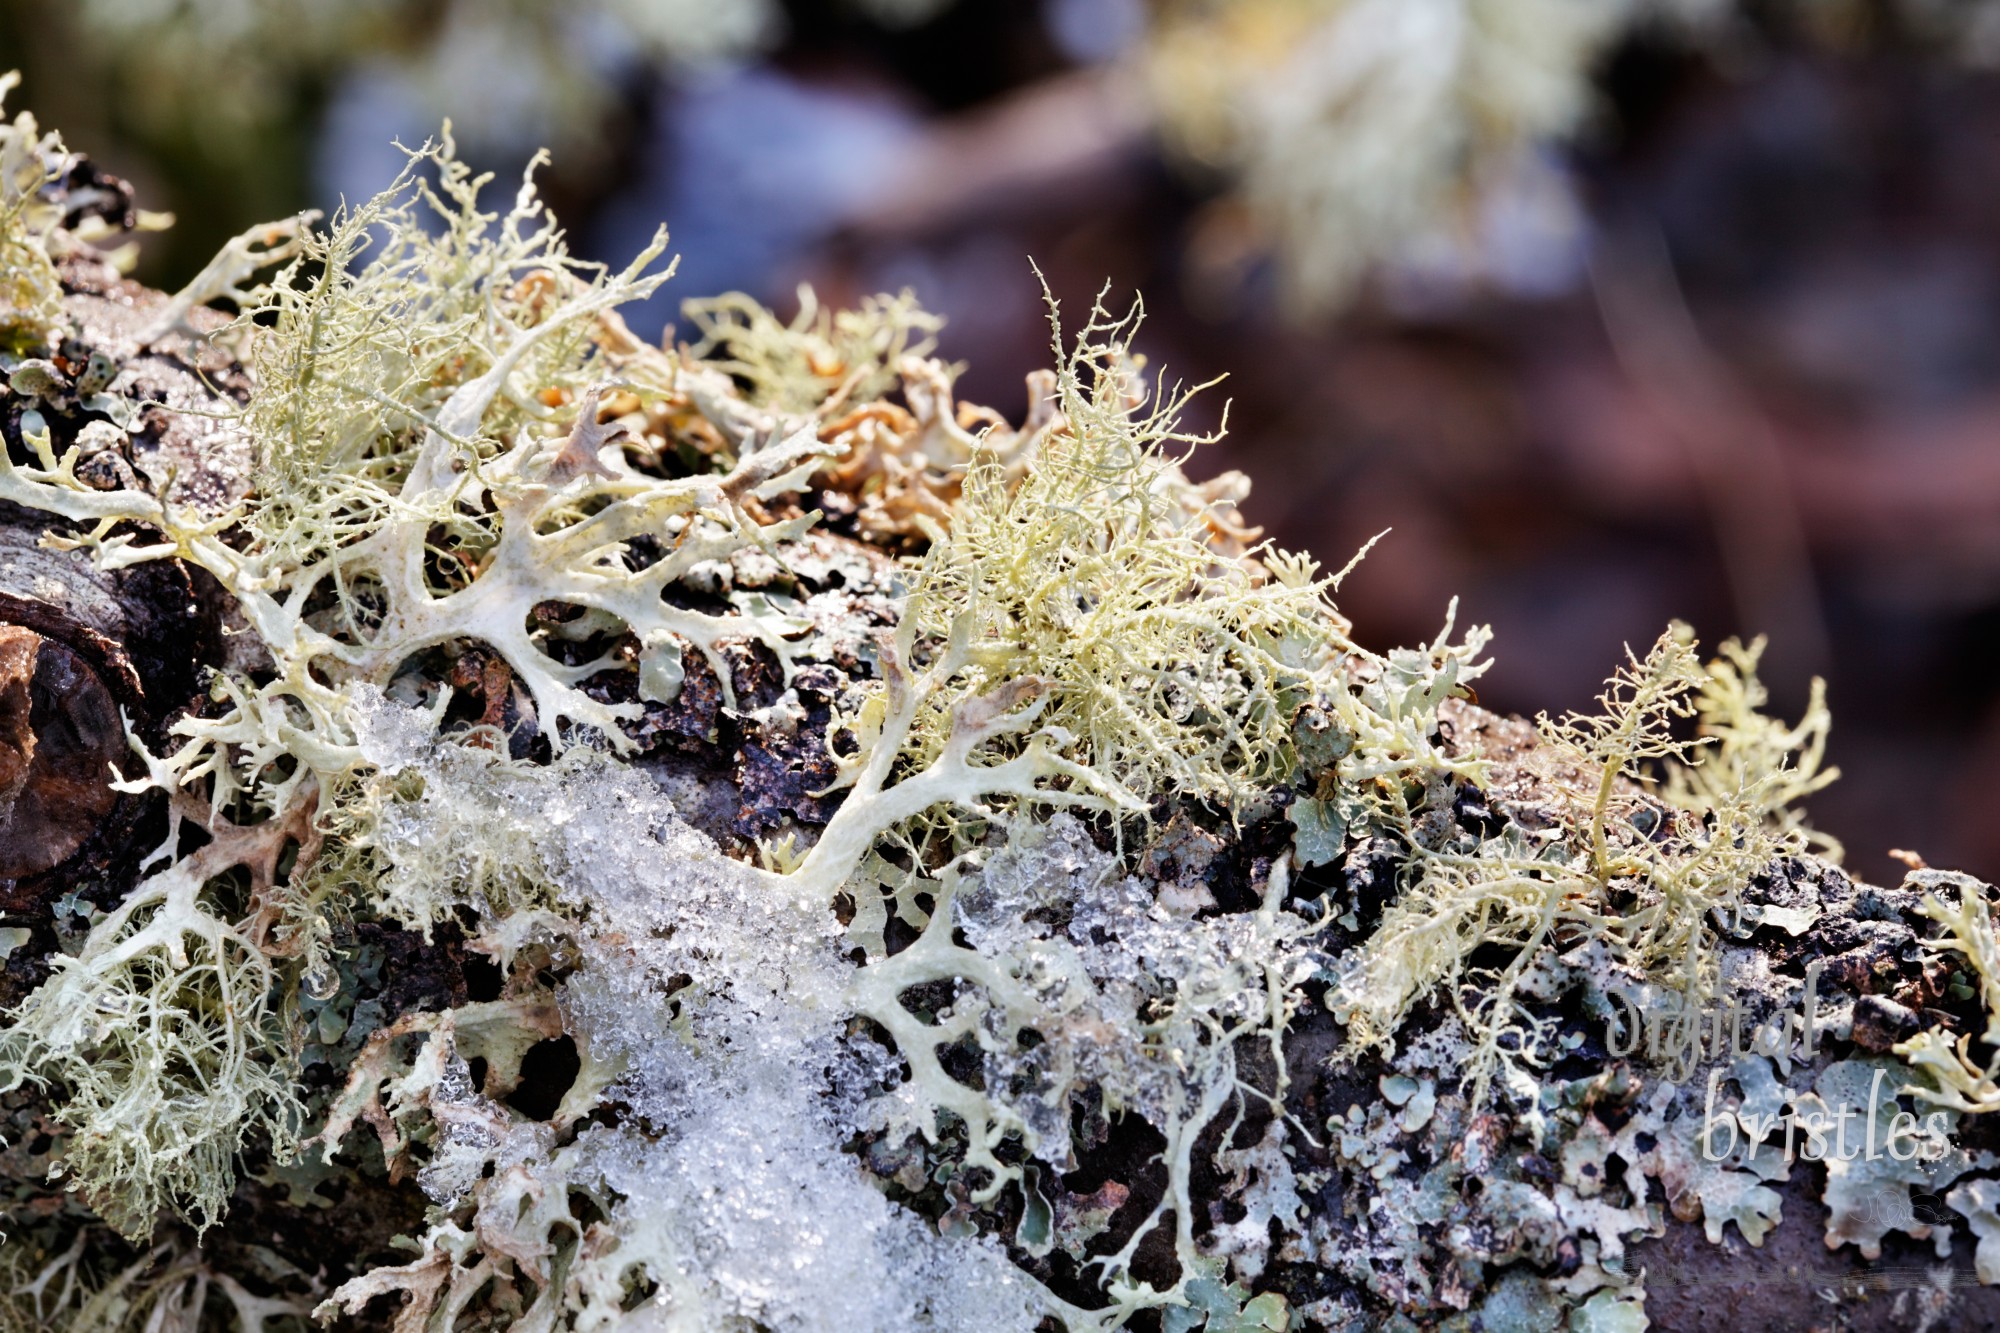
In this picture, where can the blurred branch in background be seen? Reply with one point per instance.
(1736, 458)
(1081, 134)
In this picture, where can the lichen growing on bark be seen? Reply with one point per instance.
(724, 837)
(30, 292)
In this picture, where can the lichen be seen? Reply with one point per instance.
(1364, 131)
(30, 292)
(162, 1032)
(1108, 931)
(1952, 1077)
(1615, 864)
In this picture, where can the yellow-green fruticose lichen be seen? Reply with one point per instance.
(1130, 940)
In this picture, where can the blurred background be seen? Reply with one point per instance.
(1612, 311)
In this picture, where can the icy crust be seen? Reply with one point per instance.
(714, 1015)
(707, 1011)
(737, 1229)
(1123, 993)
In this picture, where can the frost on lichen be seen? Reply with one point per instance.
(958, 876)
